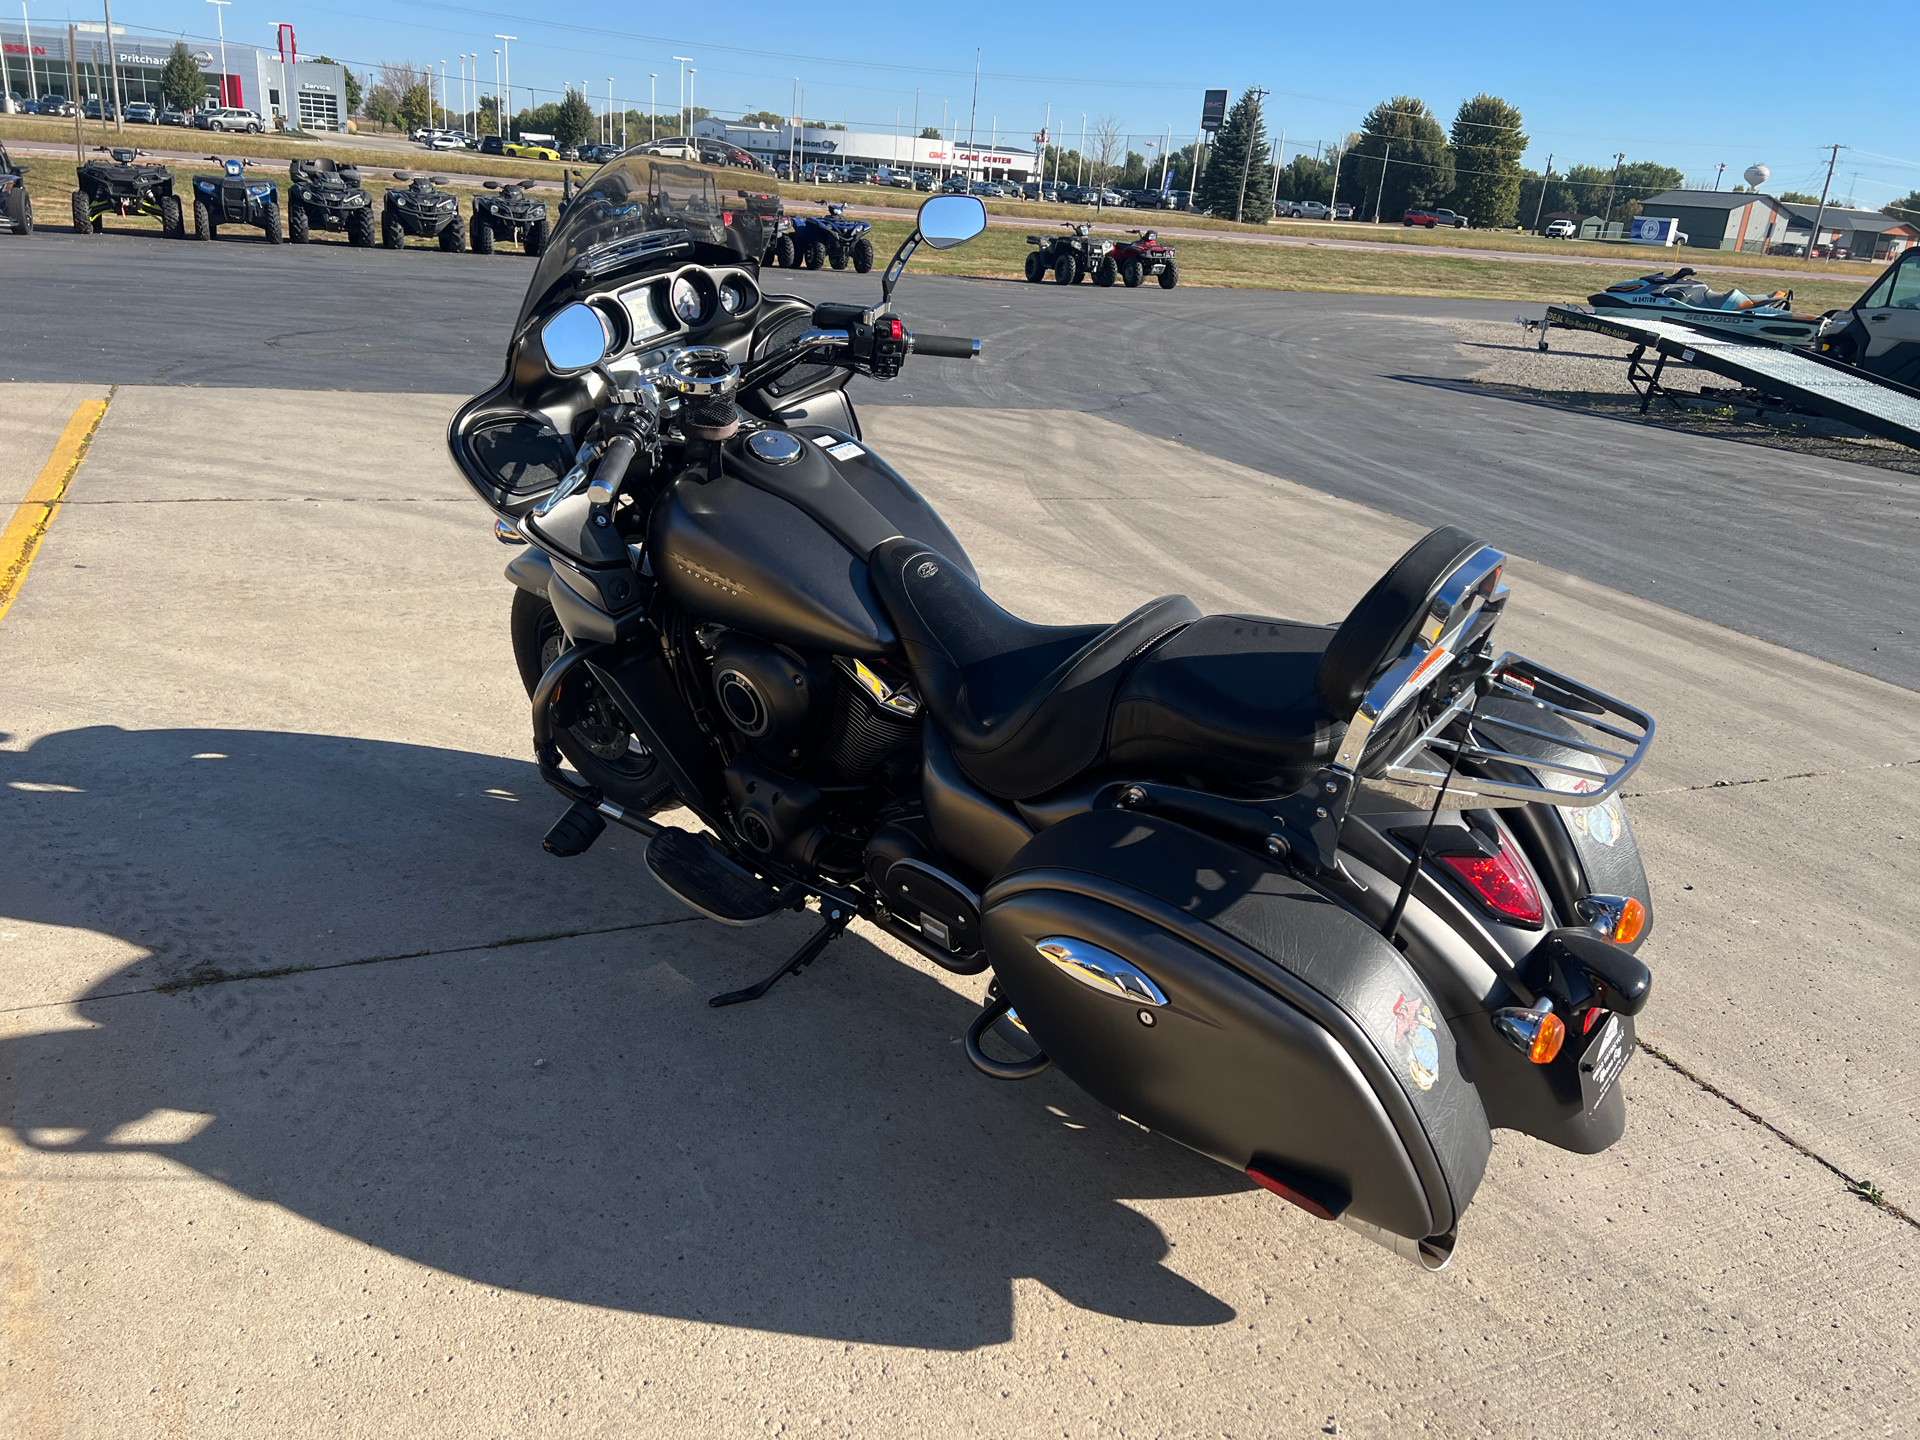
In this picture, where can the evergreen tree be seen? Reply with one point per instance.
(1239, 150)
(1487, 146)
(1402, 135)
(181, 80)
(573, 120)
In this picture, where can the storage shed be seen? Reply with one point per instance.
(1723, 219)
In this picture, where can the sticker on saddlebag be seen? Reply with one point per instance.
(1414, 1041)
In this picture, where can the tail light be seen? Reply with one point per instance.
(1500, 882)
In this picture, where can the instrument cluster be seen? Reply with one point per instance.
(686, 302)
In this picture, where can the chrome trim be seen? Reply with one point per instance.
(775, 447)
(818, 339)
(625, 251)
(571, 481)
(1100, 970)
(1602, 913)
(686, 384)
(506, 532)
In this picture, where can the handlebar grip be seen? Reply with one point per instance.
(613, 469)
(946, 347)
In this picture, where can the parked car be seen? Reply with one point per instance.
(923, 180)
(1341, 211)
(141, 113)
(171, 116)
(902, 180)
(1432, 216)
(1561, 230)
(53, 104)
(954, 184)
(94, 109)
(658, 149)
(14, 105)
(228, 117)
(719, 152)
(443, 140)
(1303, 209)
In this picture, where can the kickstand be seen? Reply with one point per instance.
(838, 917)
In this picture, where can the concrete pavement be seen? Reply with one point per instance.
(469, 1154)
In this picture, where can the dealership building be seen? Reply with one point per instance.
(303, 94)
(778, 144)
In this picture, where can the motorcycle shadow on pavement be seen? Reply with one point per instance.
(562, 1117)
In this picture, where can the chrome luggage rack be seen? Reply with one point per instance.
(1513, 677)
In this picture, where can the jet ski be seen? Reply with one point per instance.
(1733, 312)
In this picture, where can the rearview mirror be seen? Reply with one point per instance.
(950, 220)
(575, 339)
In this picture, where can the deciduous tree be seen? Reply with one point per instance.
(1401, 136)
(1487, 145)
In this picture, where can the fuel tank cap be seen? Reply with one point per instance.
(776, 447)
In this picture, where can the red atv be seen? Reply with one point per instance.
(1133, 260)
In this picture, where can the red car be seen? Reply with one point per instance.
(1431, 217)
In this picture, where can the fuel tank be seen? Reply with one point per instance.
(777, 544)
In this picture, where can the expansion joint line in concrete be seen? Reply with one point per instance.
(1769, 779)
(1865, 1189)
(33, 517)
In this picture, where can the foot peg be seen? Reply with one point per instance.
(574, 832)
(696, 874)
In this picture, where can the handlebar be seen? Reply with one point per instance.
(613, 469)
(946, 347)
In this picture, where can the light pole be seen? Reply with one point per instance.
(609, 139)
(1719, 170)
(687, 134)
(506, 42)
(1380, 195)
(443, 93)
(653, 87)
(497, 128)
(1540, 204)
(220, 18)
(682, 121)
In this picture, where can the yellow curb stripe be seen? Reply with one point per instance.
(20, 542)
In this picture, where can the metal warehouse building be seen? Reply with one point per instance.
(306, 95)
(1864, 234)
(1723, 219)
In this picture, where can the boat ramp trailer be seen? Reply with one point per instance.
(1783, 378)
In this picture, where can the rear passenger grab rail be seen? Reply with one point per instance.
(1601, 765)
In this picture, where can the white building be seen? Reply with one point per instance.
(777, 144)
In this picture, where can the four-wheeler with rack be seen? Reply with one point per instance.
(509, 214)
(328, 196)
(1132, 261)
(833, 238)
(15, 204)
(1069, 258)
(121, 185)
(230, 198)
(776, 226)
(422, 209)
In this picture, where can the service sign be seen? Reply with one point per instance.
(1213, 110)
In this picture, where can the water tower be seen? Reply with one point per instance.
(1757, 176)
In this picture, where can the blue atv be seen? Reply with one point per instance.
(230, 198)
(833, 237)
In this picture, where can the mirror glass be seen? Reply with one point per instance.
(950, 220)
(575, 338)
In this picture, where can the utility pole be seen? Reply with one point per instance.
(507, 41)
(693, 72)
(1279, 150)
(1246, 159)
(1618, 161)
(1334, 198)
(1813, 240)
(113, 70)
(1720, 170)
(1540, 204)
(609, 139)
(1381, 194)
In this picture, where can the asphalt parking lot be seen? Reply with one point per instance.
(332, 1105)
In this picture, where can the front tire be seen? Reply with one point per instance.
(202, 220)
(172, 223)
(82, 218)
(1131, 274)
(816, 255)
(270, 223)
(1170, 276)
(1106, 274)
(838, 256)
(862, 255)
(298, 224)
(392, 233)
(600, 747)
(783, 252)
(453, 239)
(1065, 270)
(482, 235)
(360, 229)
(20, 210)
(536, 241)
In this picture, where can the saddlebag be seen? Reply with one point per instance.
(1214, 998)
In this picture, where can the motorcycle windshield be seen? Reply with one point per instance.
(638, 214)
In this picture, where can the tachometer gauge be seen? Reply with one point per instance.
(730, 299)
(687, 302)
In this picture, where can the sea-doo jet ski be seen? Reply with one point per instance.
(1681, 297)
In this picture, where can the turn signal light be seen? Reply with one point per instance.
(1537, 1032)
(1633, 916)
(1501, 883)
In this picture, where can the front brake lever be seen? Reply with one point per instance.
(790, 355)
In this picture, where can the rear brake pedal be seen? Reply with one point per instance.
(696, 874)
(574, 832)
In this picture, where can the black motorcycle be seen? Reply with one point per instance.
(1326, 903)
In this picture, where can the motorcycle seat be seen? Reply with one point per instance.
(1024, 707)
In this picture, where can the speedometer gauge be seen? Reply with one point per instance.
(687, 302)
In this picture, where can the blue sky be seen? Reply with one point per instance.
(1691, 86)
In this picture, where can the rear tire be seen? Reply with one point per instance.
(82, 220)
(816, 255)
(20, 210)
(172, 223)
(392, 233)
(202, 220)
(360, 229)
(1065, 270)
(1107, 273)
(297, 224)
(599, 748)
(862, 255)
(1170, 276)
(1131, 274)
(1036, 268)
(271, 224)
(783, 252)
(536, 241)
(482, 235)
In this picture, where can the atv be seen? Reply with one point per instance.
(229, 198)
(15, 204)
(510, 215)
(1069, 258)
(833, 237)
(1132, 261)
(119, 185)
(328, 196)
(776, 228)
(422, 209)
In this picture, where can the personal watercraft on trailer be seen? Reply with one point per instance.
(1681, 297)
